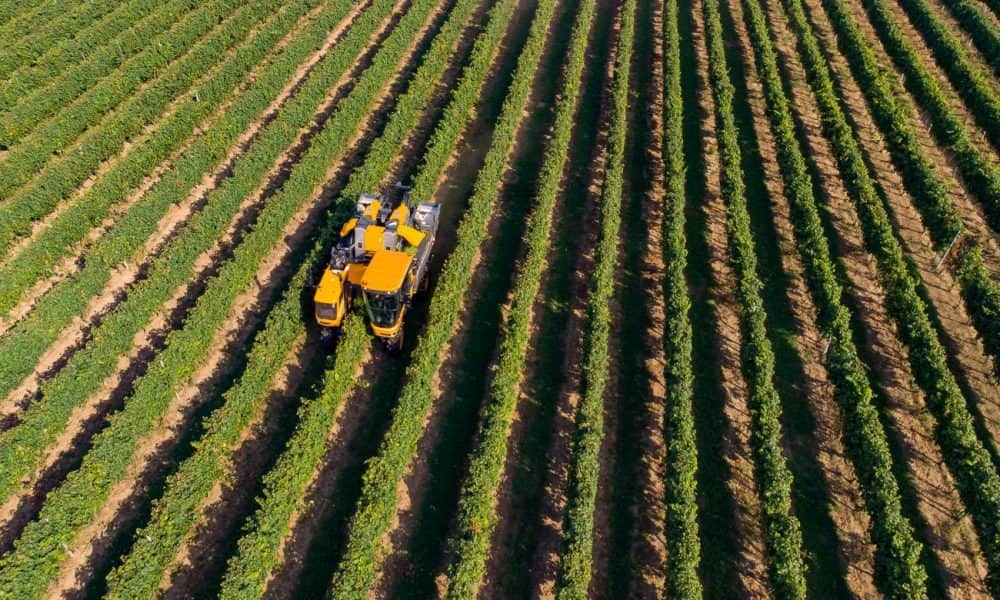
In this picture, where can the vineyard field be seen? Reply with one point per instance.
(500, 299)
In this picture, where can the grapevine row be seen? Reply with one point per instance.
(20, 349)
(980, 171)
(39, 140)
(967, 458)
(27, 570)
(681, 457)
(172, 30)
(584, 468)
(980, 28)
(967, 77)
(60, 179)
(115, 28)
(174, 267)
(782, 532)
(23, 114)
(980, 293)
(25, 343)
(286, 484)
(54, 21)
(477, 517)
(176, 513)
(898, 553)
(45, 251)
(376, 506)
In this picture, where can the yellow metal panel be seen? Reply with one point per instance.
(330, 289)
(412, 236)
(373, 238)
(348, 226)
(386, 271)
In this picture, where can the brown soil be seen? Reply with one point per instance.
(846, 505)
(960, 337)
(182, 210)
(752, 567)
(226, 339)
(648, 550)
(74, 336)
(948, 532)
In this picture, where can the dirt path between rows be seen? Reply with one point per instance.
(167, 228)
(959, 336)
(753, 565)
(846, 505)
(648, 551)
(87, 545)
(948, 532)
(73, 337)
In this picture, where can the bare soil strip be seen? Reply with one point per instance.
(845, 504)
(949, 534)
(87, 546)
(181, 210)
(647, 555)
(74, 336)
(88, 416)
(752, 568)
(968, 358)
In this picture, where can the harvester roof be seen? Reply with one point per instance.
(386, 271)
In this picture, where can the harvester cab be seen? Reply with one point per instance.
(382, 254)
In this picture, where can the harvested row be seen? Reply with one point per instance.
(143, 570)
(575, 569)
(44, 191)
(259, 556)
(783, 534)
(52, 22)
(900, 571)
(195, 118)
(360, 566)
(680, 462)
(967, 457)
(980, 28)
(477, 518)
(87, 371)
(109, 465)
(115, 28)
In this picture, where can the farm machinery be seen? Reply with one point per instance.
(382, 255)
